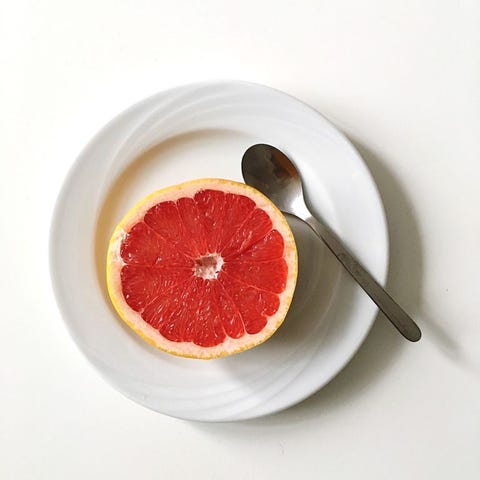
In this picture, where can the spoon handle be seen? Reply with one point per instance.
(400, 319)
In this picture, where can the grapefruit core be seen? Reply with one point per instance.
(203, 269)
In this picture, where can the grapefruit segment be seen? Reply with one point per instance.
(192, 221)
(164, 218)
(254, 304)
(268, 248)
(255, 227)
(211, 205)
(231, 318)
(143, 246)
(203, 269)
(142, 284)
(269, 275)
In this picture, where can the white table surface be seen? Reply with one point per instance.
(402, 79)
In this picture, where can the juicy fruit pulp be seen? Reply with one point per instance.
(204, 268)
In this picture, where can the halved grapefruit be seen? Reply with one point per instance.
(203, 269)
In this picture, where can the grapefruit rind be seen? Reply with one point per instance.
(229, 346)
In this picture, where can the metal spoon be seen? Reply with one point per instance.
(269, 170)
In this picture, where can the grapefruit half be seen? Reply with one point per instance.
(203, 269)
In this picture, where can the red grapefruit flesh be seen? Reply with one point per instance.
(203, 269)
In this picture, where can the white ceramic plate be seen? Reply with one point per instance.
(202, 130)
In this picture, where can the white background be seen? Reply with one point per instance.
(402, 79)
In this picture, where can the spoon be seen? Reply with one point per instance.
(269, 170)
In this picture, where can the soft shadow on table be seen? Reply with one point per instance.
(407, 290)
(383, 344)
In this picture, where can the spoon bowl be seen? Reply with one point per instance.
(269, 170)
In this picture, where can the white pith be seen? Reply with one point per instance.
(208, 267)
